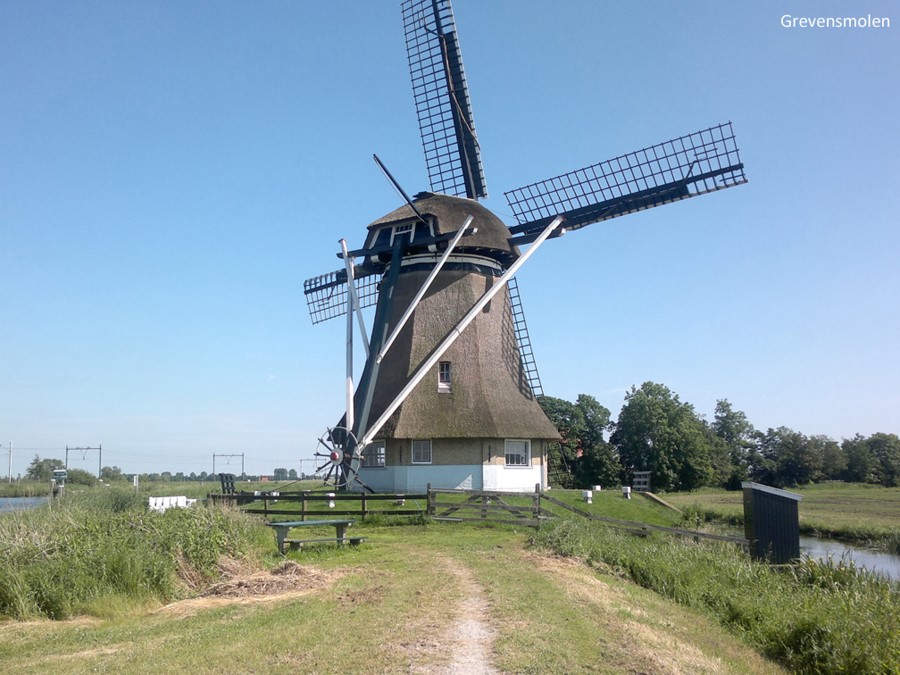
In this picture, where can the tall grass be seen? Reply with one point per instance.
(106, 545)
(813, 618)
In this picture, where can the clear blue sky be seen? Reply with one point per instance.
(171, 172)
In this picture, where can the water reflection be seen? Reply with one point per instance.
(20, 503)
(880, 562)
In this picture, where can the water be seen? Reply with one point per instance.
(8, 504)
(880, 562)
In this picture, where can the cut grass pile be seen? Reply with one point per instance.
(104, 547)
(866, 514)
(815, 617)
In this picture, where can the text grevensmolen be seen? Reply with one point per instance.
(868, 21)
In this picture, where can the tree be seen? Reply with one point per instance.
(292, 474)
(788, 458)
(885, 449)
(80, 477)
(582, 458)
(657, 432)
(834, 459)
(860, 461)
(280, 474)
(111, 473)
(42, 469)
(738, 435)
(561, 455)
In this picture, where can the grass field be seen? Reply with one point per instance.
(441, 597)
(399, 603)
(868, 514)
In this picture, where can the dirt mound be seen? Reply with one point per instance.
(286, 577)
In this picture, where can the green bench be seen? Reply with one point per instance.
(340, 538)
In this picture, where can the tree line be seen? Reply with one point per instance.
(657, 432)
(41, 469)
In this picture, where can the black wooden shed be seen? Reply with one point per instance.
(771, 522)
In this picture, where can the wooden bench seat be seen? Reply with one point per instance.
(297, 544)
(340, 538)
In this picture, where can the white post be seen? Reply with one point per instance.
(351, 290)
(423, 369)
(348, 382)
(424, 289)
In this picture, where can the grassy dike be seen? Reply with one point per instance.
(813, 618)
(394, 605)
(573, 597)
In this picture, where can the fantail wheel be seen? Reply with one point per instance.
(339, 452)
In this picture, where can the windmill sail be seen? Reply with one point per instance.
(326, 295)
(684, 167)
(523, 340)
(442, 99)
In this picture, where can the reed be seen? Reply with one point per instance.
(105, 546)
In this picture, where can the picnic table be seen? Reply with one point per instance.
(340, 527)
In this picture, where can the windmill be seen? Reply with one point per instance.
(448, 359)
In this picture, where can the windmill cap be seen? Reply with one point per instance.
(447, 214)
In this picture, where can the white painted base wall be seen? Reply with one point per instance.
(511, 478)
(452, 476)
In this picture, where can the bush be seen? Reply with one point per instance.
(817, 617)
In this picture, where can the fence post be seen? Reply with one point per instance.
(536, 501)
(303, 505)
(362, 502)
(430, 511)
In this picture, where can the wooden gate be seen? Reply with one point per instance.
(510, 508)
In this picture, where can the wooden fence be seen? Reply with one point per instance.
(644, 528)
(441, 504)
(316, 504)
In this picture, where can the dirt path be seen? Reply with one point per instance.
(471, 636)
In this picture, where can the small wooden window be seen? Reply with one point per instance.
(518, 453)
(421, 452)
(444, 376)
(373, 455)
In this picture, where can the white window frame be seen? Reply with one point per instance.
(374, 451)
(445, 376)
(506, 449)
(423, 443)
(401, 229)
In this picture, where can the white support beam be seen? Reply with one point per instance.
(351, 288)
(431, 277)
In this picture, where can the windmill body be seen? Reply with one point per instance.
(476, 402)
(449, 393)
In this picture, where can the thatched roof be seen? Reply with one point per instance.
(490, 396)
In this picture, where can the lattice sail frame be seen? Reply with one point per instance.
(326, 295)
(687, 166)
(441, 95)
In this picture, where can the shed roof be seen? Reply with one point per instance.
(771, 490)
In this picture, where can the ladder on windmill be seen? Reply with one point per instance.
(529, 367)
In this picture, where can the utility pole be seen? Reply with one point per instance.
(215, 454)
(9, 475)
(84, 453)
